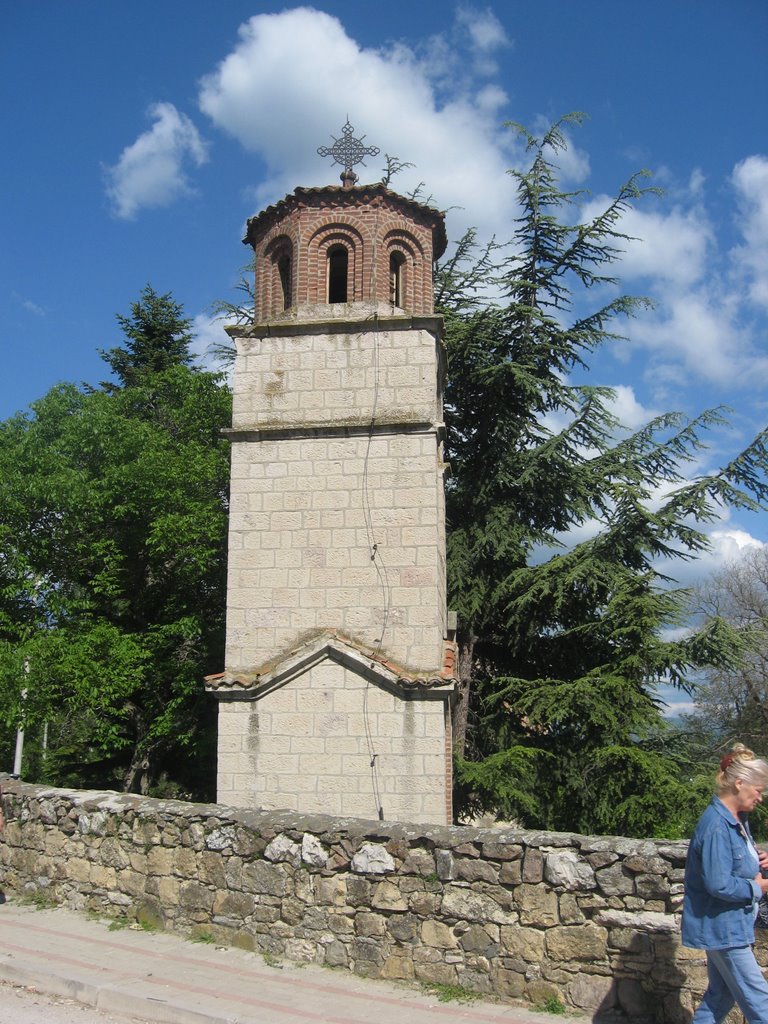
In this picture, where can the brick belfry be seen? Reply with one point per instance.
(339, 673)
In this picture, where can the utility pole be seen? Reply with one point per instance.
(20, 731)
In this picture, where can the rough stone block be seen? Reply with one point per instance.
(592, 992)
(525, 943)
(387, 896)
(577, 943)
(537, 905)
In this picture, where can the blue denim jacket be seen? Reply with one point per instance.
(720, 888)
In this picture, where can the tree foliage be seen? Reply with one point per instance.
(565, 641)
(157, 338)
(112, 587)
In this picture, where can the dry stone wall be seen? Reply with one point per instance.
(591, 921)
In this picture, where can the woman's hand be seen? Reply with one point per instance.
(762, 883)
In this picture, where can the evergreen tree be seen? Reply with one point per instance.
(157, 338)
(562, 646)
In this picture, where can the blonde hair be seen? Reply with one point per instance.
(740, 763)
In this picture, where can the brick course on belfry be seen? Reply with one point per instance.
(339, 667)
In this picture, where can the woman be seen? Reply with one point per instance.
(723, 886)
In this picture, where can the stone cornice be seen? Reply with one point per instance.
(356, 428)
(290, 328)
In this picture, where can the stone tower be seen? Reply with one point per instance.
(336, 694)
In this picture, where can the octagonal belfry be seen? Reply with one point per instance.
(339, 674)
(345, 245)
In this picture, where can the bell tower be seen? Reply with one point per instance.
(339, 675)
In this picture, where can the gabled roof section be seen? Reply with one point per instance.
(332, 644)
(338, 197)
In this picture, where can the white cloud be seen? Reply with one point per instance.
(485, 34)
(701, 328)
(624, 405)
(674, 708)
(208, 335)
(484, 28)
(695, 330)
(573, 163)
(288, 84)
(150, 172)
(260, 95)
(726, 543)
(491, 98)
(626, 408)
(730, 544)
(29, 305)
(750, 179)
(696, 183)
(670, 247)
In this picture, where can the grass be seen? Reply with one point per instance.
(203, 936)
(450, 993)
(38, 899)
(551, 1005)
(271, 960)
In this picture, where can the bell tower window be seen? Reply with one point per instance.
(284, 271)
(396, 273)
(338, 265)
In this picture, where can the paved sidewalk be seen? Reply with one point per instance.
(166, 979)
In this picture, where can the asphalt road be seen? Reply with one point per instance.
(23, 1005)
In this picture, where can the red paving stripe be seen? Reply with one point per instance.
(262, 1004)
(172, 983)
(274, 978)
(8, 947)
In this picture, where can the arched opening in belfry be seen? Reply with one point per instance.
(396, 278)
(338, 269)
(284, 272)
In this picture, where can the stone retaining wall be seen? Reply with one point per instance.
(591, 921)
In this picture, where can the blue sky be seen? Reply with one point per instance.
(138, 137)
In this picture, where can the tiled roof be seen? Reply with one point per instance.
(327, 643)
(337, 193)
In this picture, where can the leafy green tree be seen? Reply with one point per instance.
(563, 645)
(114, 510)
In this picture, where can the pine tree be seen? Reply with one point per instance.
(157, 338)
(562, 646)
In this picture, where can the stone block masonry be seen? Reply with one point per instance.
(337, 530)
(348, 372)
(592, 921)
(337, 457)
(301, 542)
(335, 742)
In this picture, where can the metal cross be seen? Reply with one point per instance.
(348, 151)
